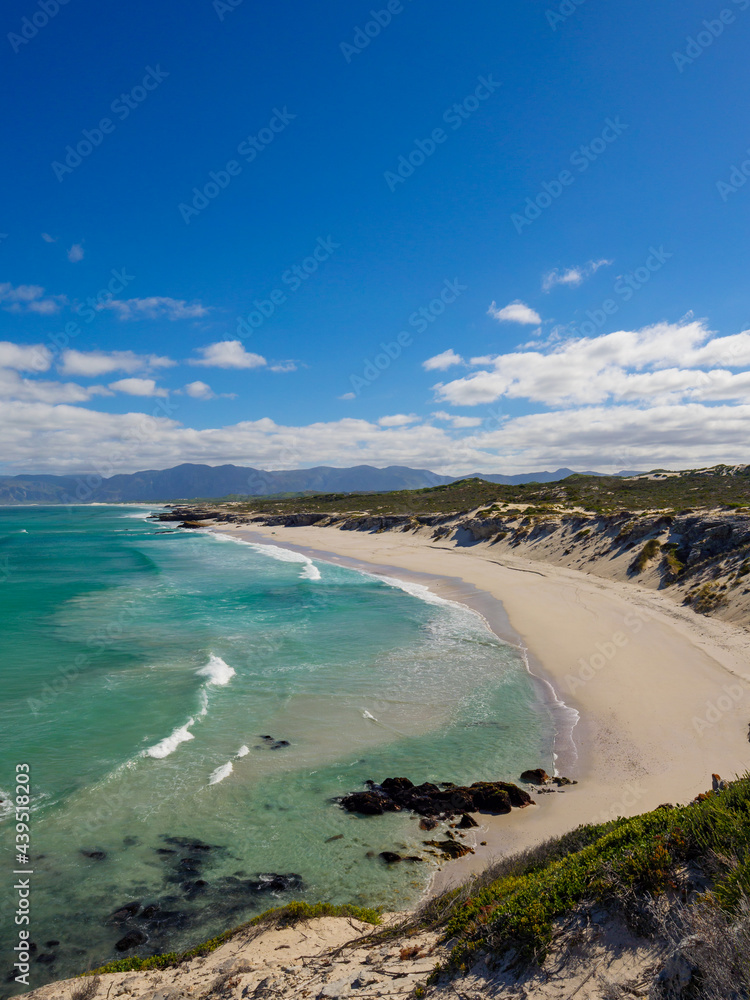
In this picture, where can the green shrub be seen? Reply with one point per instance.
(649, 551)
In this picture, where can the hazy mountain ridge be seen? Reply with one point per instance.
(189, 481)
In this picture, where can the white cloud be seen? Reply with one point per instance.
(398, 420)
(77, 439)
(228, 354)
(515, 312)
(155, 307)
(572, 277)
(284, 366)
(92, 364)
(199, 390)
(348, 395)
(48, 239)
(29, 298)
(442, 361)
(25, 357)
(75, 253)
(13, 387)
(456, 421)
(661, 363)
(138, 387)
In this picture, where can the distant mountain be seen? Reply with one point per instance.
(188, 482)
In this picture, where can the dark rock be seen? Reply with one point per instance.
(368, 803)
(190, 864)
(339, 836)
(450, 848)
(51, 944)
(125, 912)
(131, 940)
(279, 744)
(277, 883)
(467, 822)
(190, 843)
(165, 850)
(518, 797)
(149, 912)
(563, 781)
(393, 785)
(426, 823)
(537, 776)
(47, 958)
(389, 857)
(490, 798)
(94, 855)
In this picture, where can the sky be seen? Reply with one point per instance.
(495, 238)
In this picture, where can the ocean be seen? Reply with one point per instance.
(189, 707)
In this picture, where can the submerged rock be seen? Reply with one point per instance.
(390, 857)
(131, 940)
(125, 912)
(94, 855)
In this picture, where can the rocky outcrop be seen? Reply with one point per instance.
(436, 802)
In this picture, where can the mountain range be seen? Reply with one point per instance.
(189, 482)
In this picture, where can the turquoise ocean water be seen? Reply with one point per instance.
(140, 670)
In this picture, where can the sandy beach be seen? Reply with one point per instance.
(660, 691)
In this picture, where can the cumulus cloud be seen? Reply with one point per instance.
(199, 390)
(67, 438)
(25, 357)
(515, 312)
(572, 277)
(13, 387)
(92, 364)
(284, 366)
(398, 420)
(348, 395)
(661, 363)
(456, 421)
(48, 239)
(138, 387)
(75, 253)
(228, 354)
(442, 361)
(155, 307)
(29, 298)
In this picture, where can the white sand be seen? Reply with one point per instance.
(660, 690)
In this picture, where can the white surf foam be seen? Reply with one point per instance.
(6, 805)
(243, 751)
(217, 671)
(170, 744)
(220, 773)
(309, 572)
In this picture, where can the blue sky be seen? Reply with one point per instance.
(550, 184)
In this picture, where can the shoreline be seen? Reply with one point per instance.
(660, 692)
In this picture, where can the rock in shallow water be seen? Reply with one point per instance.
(429, 800)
